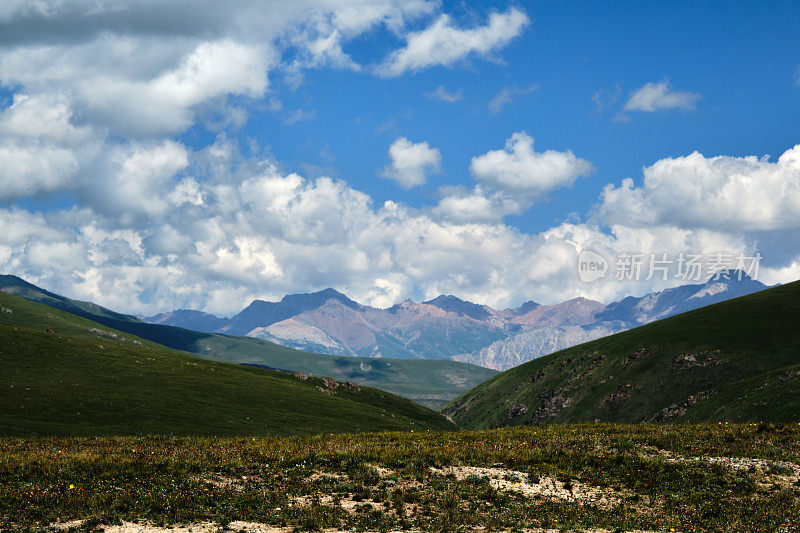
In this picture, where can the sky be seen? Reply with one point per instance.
(199, 154)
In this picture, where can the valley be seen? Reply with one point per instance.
(429, 382)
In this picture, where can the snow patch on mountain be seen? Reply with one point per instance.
(710, 290)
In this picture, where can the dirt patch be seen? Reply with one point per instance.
(544, 487)
(225, 482)
(203, 527)
(765, 473)
(346, 503)
(383, 472)
(686, 361)
(327, 476)
(517, 410)
(252, 527)
(60, 526)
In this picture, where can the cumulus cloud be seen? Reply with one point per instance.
(31, 169)
(443, 44)
(507, 95)
(411, 162)
(519, 168)
(94, 81)
(107, 89)
(102, 89)
(479, 204)
(510, 181)
(223, 242)
(137, 180)
(143, 69)
(186, 192)
(164, 104)
(99, 88)
(722, 192)
(659, 96)
(40, 149)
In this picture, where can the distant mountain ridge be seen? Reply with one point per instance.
(447, 327)
(428, 382)
(66, 375)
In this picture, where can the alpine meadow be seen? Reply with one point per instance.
(371, 266)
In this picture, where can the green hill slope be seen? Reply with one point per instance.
(65, 375)
(735, 361)
(429, 382)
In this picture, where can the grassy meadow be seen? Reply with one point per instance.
(599, 477)
(429, 382)
(65, 375)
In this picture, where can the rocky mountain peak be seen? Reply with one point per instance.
(457, 305)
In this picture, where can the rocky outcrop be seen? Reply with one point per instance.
(676, 411)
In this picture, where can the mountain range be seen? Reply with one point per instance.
(448, 327)
(428, 382)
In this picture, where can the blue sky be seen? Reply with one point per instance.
(740, 57)
(203, 157)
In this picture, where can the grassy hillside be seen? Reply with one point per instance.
(65, 375)
(734, 361)
(431, 383)
(592, 477)
(20, 287)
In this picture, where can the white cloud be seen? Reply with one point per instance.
(32, 168)
(270, 234)
(410, 162)
(444, 44)
(186, 192)
(165, 104)
(722, 192)
(658, 96)
(477, 205)
(507, 95)
(142, 70)
(41, 117)
(97, 82)
(445, 96)
(137, 180)
(519, 168)
(40, 149)
(99, 96)
(510, 181)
